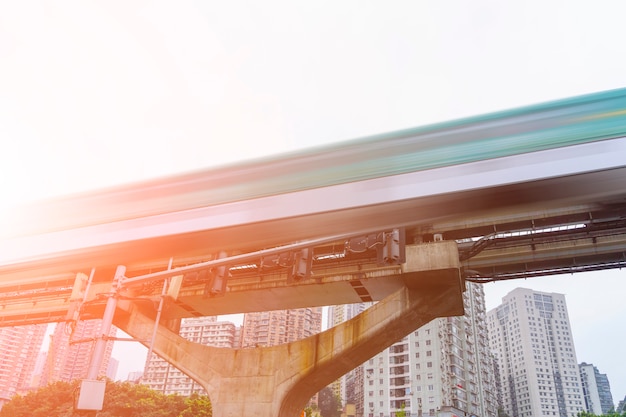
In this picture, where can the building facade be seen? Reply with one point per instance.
(530, 335)
(71, 349)
(596, 389)
(621, 406)
(19, 350)
(442, 369)
(164, 377)
(112, 369)
(272, 328)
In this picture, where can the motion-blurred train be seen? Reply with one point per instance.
(558, 154)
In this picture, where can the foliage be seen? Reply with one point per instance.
(610, 414)
(121, 399)
(53, 400)
(197, 406)
(402, 412)
(329, 404)
(132, 400)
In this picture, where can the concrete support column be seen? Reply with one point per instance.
(278, 381)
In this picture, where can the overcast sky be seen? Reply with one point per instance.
(95, 94)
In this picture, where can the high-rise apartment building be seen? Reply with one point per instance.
(19, 350)
(134, 376)
(531, 337)
(596, 389)
(40, 364)
(112, 369)
(271, 328)
(442, 369)
(71, 349)
(621, 406)
(164, 377)
(349, 388)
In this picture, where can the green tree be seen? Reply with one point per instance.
(197, 406)
(132, 400)
(122, 399)
(329, 404)
(53, 400)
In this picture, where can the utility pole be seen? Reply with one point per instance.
(91, 396)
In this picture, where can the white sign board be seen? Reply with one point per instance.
(91, 396)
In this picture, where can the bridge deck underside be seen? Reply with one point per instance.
(512, 223)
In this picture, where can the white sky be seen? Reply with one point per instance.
(95, 94)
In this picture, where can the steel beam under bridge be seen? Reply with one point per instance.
(335, 281)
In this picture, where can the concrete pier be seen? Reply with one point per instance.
(278, 381)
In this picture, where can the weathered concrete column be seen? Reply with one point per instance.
(279, 380)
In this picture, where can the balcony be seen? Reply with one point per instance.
(399, 359)
(399, 382)
(398, 393)
(399, 370)
(396, 349)
(400, 404)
